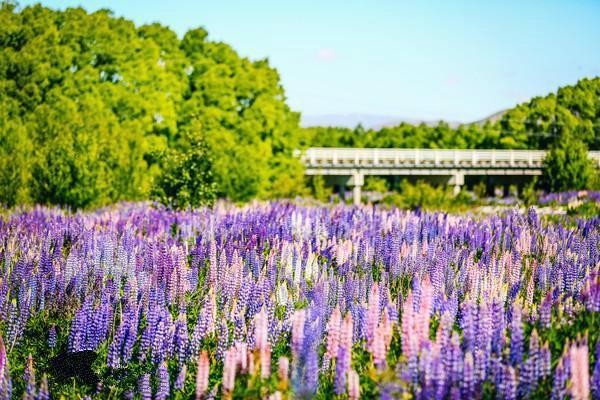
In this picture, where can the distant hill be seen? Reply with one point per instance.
(495, 117)
(368, 121)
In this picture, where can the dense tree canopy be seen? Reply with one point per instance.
(87, 98)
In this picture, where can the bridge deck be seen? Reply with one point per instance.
(352, 158)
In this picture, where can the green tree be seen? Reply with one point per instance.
(567, 166)
(86, 99)
(186, 179)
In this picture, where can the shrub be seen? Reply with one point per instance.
(567, 166)
(186, 179)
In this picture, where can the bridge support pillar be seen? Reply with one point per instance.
(457, 180)
(357, 180)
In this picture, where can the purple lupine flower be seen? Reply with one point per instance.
(163, 382)
(129, 342)
(52, 337)
(312, 370)
(469, 325)
(43, 393)
(455, 359)
(498, 323)
(545, 358)
(546, 310)
(181, 339)
(341, 369)
(468, 382)
(29, 378)
(561, 374)
(144, 387)
(516, 336)
(223, 343)
(113, 357)
(480, 366)
(508, 386)
(159, 351)
(440, 377)
(148, 334)
(180, 381)
(239, 329)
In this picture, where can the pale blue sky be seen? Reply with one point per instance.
(456, 60)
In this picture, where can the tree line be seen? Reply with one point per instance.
(95, 110)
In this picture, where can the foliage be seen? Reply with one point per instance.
(567, 166)
(423, 195)
(86, 99)
(186, 178)
(529, 193)
(375, 184)
(587, 209)
(318, 189)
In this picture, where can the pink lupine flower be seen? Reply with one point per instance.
(251, 366)
(378, 349)
(265, 362)
(229, 369)
(386, 326)
(297, 332)
(261, 324)
(202, 375)
(211, 312)
(580, 371)
(353, 385)
(283, 369)
(242, 353)
(347, 332)
(530, 288)
(372, 314)
(425, 308)
(276, 396)
(5, 383)
(333, 334)
(409, 338)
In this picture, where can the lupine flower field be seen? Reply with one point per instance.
(281, 301)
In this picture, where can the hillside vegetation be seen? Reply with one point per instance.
(573, 111)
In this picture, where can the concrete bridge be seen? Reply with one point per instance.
(350, 165)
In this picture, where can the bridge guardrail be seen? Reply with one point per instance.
(426, 158)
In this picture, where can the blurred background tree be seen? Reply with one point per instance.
(186, 180)
(567, 166)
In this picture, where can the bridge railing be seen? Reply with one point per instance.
(425, 158)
